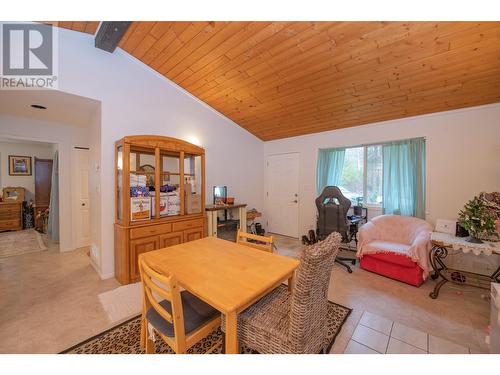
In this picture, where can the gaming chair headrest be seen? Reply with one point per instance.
(332, 194)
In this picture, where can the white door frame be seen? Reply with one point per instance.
(267, 187)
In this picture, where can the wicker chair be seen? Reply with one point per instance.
(284, 322)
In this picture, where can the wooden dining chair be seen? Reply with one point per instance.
(257, 242)
(178, 318)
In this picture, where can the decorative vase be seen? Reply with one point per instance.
(28, 220)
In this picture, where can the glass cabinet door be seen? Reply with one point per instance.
(170, 181)
(142, 183)
(119, 183)
(192, 184)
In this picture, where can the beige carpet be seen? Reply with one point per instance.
(20, 242)
(122, 302)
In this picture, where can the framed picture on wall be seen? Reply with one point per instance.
(19, 165)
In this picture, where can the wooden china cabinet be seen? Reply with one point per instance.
(156, 172)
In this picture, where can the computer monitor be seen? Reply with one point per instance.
(220, 193)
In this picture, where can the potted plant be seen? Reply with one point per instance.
(476, 218)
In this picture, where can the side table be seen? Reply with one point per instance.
(442, 244)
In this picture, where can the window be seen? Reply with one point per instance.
(374, 174)
(361, 179)
(351, 181)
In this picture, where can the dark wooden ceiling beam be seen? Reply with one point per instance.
(110, 33)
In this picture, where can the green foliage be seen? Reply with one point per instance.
(476, 218)
(352, 177)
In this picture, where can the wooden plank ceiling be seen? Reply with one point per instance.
(283, 79)
(89, 27)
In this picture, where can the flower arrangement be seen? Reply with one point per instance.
(476, 218)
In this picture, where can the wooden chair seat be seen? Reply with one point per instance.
(196, 314)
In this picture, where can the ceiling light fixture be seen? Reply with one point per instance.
(38, 106)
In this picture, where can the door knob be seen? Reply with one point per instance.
(295, 201)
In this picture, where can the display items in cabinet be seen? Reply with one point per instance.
(140, 208)
(193, 200)
(170, 203)
(149, 173)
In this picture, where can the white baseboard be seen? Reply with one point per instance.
(98, 271)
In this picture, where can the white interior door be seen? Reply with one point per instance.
(283, 194)
(81, 197)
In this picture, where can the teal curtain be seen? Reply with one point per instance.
(53, 224)
(329, 167)
(404, 177)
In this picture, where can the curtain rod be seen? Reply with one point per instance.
(374, 144)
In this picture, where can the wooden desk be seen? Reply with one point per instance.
(212, 216)
(228, 276)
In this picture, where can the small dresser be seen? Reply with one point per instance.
(11, 217)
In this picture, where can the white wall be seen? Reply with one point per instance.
(95, 188)
(137, 100)
(35, 150)
(66, 137)
(463, 156)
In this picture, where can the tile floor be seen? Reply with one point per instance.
(376, 334)
(459, 315)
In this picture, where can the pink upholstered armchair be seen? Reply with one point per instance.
(397, 247)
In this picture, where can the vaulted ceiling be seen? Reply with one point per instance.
(283, 79)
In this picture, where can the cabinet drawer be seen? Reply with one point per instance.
(150, 230)
(9, 215)
(188, 224)
(10, 224)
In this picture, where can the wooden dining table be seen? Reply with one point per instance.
(226, 275)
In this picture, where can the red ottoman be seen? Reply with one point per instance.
(395, 266)
(397, 247)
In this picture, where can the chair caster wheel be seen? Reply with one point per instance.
(353, 262)
(434, 276)
(433, 295)
(349, 270)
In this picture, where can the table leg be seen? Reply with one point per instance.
(436, 259)
(232, 333)
(435, 293)
(212, 223)
(243, 219)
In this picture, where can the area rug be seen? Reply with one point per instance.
(20, 242)
(124, 338)
(122, 302)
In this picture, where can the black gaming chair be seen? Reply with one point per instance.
(332, 208)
